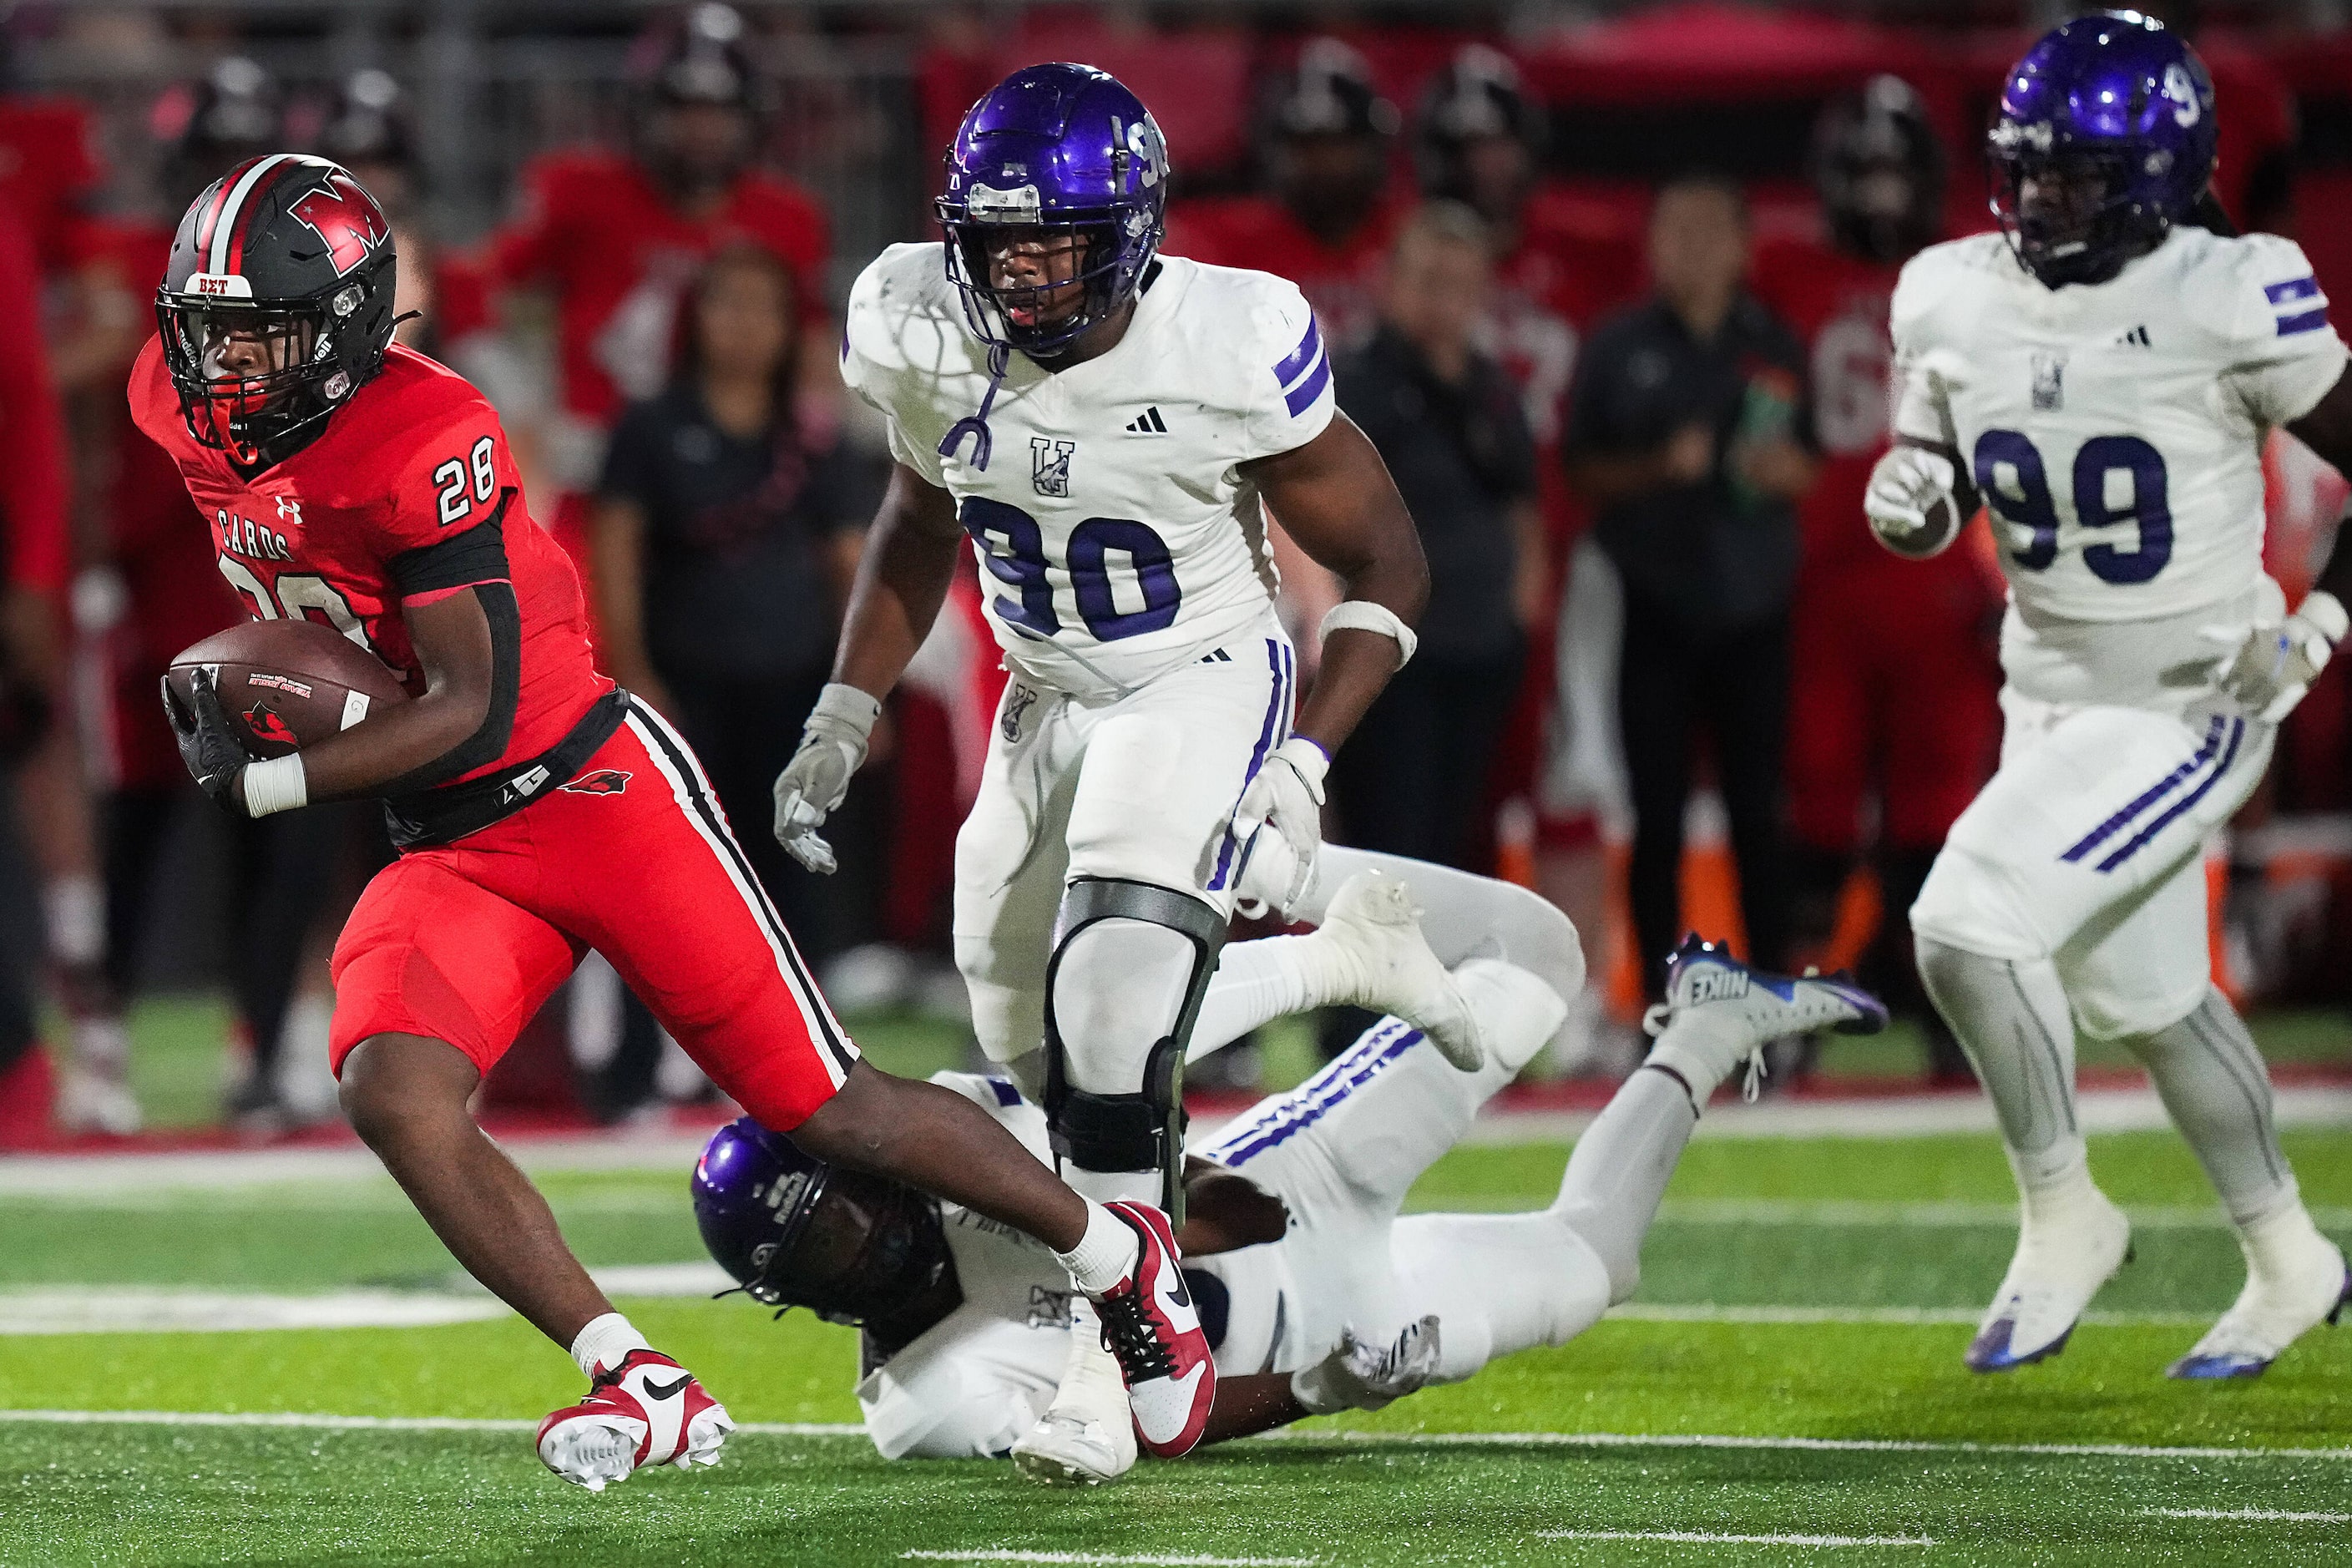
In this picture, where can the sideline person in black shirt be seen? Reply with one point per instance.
(1683, 431)
(724, 540)
(1450, 426)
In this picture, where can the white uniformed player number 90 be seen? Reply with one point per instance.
(453, 476)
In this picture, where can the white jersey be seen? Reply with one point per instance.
(2116, 432)
(1112, 514)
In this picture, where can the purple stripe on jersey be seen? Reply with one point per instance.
(2294, 288)
(1301, 357)
(1301, 397)
(1275, 706)
(2164, 786)
(2309, 321)
(1303, 1106)
(2139, 840)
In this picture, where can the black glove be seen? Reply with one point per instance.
(208, 746)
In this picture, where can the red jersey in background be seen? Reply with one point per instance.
(1340, 281)
(414, 459)
(34, 552)
(1893, 677)
(620, 258)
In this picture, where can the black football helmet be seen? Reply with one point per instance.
(277, 304)
(1324, 133)
(234, 111)
(1478, 101)
(701, 103)
(371, 133)
(1878, 166)
(796, 1231)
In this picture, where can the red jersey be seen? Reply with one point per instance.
(1569, 268)
(34, 552)
(1837, 305)
(1340, 281)
(48, 167)
(416, 459)
(620, 258)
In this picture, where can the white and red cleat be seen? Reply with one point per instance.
(1150, 1325)
(647, 1411)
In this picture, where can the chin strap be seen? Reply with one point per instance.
(1000, 360)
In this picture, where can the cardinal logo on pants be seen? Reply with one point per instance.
(603, 781)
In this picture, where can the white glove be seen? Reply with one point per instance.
(1362, 1376)
(2275, 665)
(811, 787)
(1287, 796)
(1901, 501)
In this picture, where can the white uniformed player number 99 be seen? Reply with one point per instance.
(458, 498)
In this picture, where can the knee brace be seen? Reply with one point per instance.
(1143, 1130)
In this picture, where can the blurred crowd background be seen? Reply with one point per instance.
(1612, 286)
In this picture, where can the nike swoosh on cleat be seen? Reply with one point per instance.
(671, 1391)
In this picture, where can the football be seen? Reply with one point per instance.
(288, 684)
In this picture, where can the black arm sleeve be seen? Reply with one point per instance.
(474, 559)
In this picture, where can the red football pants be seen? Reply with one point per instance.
(634, 859)
(1892, 685)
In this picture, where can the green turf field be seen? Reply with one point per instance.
(1792, 1356)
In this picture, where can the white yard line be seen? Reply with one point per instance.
(1708, 1538)
(1934, 1215)
(1153, 1560)
(127, 1310)
(1382, 1439)
(1709, 1312)
(2256, 1515)
(92, 1177)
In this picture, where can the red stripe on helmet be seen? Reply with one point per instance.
(220, 199)
(253, 200)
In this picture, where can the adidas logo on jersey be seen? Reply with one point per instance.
(1147, 423)
(2135, 338)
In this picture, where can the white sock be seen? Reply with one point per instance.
(2055, 1178)
(606, 1343)
(2279, 1242)
(75, 908)
(1256, 983)
(1105, 1255)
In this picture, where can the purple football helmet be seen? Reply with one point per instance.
(796, 1231)
(2109, 119)
(1050, 151)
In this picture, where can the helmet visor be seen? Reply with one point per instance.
(1034, 286)
(241, 370)
(861, 1247)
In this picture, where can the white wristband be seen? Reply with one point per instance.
(277, 785)
(848, 706)
(1364, 615)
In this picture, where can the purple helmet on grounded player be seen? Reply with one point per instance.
(1051, 150)
(2105, 140)
(796, 1231)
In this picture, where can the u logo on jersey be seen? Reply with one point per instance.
(1049, 465)
(2049, 380)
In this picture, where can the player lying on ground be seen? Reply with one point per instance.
(1316, 1296)
(2103, 374)
(540, 811)
(1103, 424)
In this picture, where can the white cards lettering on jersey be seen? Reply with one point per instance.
(1109, 559)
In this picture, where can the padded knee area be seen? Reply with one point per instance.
(1118, 986)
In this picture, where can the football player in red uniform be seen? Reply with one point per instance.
(1331, 213)
(540, 811)
(1561, 264)
(1894, 680)
(618, 238)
